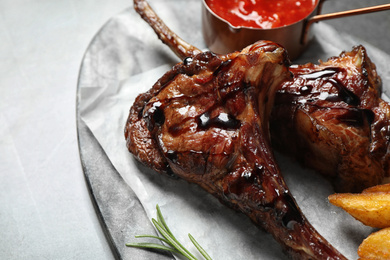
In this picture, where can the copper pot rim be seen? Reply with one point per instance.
(317, 8)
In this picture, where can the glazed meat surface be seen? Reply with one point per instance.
(331, 118)
(206, 121)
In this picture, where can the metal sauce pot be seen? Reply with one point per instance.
(222, 37)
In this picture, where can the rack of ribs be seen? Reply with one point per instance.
(207, 122)
(329, 117)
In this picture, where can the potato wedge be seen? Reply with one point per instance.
(376, 246)
(371, 208)
(378, 188)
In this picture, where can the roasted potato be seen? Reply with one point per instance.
(371, 207)
(376, 246)
(378, 188)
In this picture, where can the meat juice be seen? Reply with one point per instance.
(263, 14)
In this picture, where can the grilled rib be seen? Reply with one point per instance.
(206, 121)
(331, 118)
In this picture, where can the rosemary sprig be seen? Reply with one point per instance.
(172, 244)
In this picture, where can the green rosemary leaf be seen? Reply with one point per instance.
(163, 224)
(173, 245)
(151, 236)
(172, 240)
(152, 246)
(161, 219)
(200, 249)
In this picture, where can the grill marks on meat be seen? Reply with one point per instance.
(339, 123)
(202, 105)
(206, 121)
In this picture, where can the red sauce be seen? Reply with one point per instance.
(263, 14)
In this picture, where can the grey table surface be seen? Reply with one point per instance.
(45, 208)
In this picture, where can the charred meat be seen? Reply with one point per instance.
(206, 121)
(331, 118)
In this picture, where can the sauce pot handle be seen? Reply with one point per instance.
(322, 17)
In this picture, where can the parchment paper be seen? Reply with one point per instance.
(125, 59)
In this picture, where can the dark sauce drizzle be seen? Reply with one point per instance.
(188, 61)
(326, 73)
(343, 94)
(354, 115)
(223, 121)
(304, 90)
(293, 215)
(154, 115)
